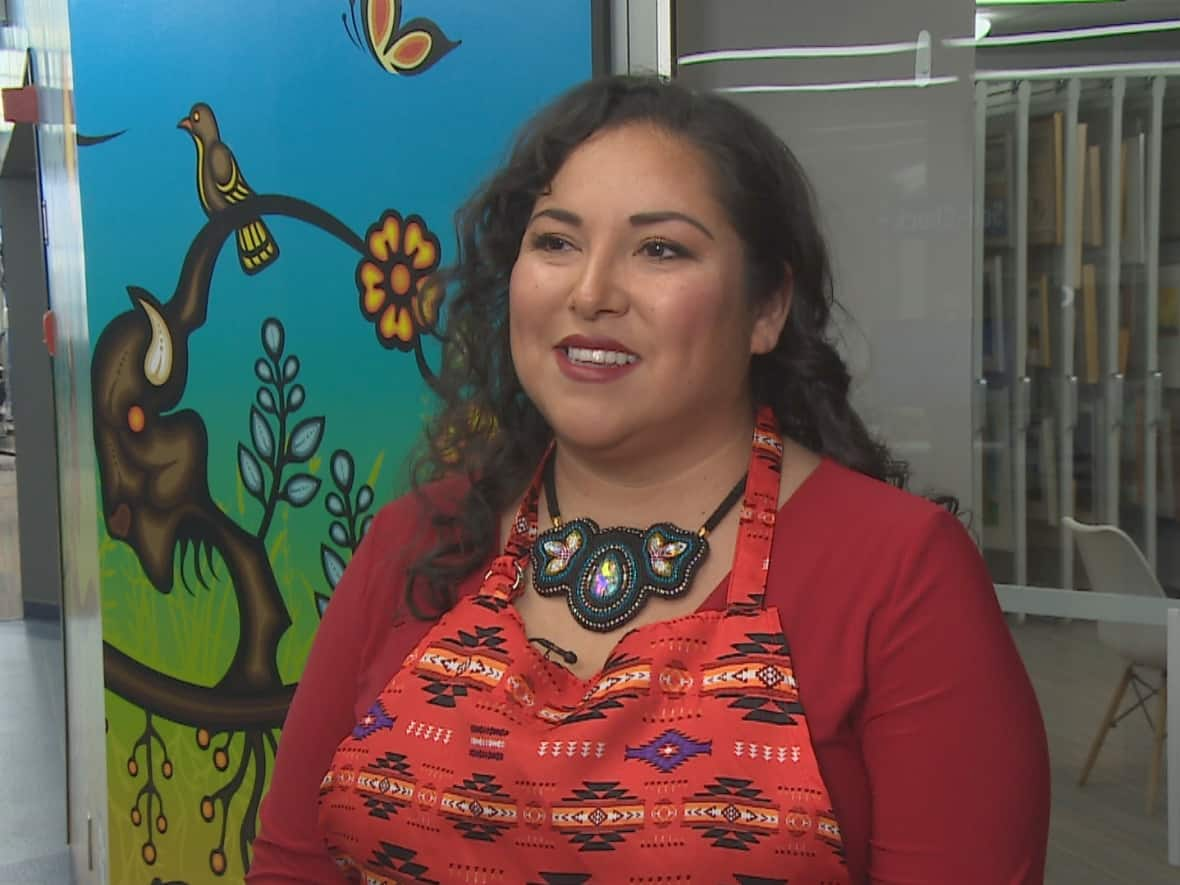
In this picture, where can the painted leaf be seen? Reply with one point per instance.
(300, 489)
(342, 467)
(260, 432)
(321, 603)
(364, 499)
(290, 368)
(295, 400)
(272, 338)
(338, 533)
(365, 525)
(335, 505)
(250, 471)
(263, 370)
(333, 565)
(305, 438)
(266, 399)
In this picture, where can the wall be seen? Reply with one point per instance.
(256, 371)
(892, 171)
(31, 385)
(47, 24)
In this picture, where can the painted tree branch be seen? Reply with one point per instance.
(188, 704)
(262, 614)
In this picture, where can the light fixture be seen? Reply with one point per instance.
(1118, 69)
(775, 52)
(983, 26)
(845, 86)
(1091, 33)
(1037, 2)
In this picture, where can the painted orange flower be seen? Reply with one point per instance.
(396, 283)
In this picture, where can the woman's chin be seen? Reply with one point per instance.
(600, 440)
(594, 432)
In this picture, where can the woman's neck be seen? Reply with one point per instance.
(682, 480)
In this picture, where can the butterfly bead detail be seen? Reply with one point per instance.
(662, 554)
(561, 551)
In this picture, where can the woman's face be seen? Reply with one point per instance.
(629, 322)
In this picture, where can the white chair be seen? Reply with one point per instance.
(1115, 565)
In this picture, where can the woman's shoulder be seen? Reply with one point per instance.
(873, 548)
(405, 527)
(838, 494)
(841, 523)
(413, 509)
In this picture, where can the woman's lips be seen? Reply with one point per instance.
(594, 360)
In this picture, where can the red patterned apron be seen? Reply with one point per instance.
(686, 759)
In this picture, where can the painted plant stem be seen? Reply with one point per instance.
(276, 469)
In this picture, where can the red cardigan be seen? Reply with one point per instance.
(925, 724)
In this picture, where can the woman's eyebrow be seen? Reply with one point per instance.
(562, 215)
(644, 218)
(640, 219)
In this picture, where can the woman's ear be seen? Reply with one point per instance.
(771, 315)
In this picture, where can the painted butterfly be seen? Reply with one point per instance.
(375, 26)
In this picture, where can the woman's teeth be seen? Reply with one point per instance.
(592, 357)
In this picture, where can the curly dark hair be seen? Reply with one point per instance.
(487, 427)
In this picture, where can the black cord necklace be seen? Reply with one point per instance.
(607, 575)
(552, 648)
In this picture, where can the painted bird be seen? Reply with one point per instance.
(220, 183)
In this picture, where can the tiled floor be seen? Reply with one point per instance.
(32, 754)
(53, 869)
(32, 722)
(1100, 834)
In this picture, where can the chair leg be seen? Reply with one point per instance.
(1157, 756)
(1111, 712)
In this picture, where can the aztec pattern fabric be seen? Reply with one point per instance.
(686, 758)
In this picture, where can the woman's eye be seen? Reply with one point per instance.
(660, 249)
(550, 243)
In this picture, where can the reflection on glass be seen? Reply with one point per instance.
(1082, 364)
(1078, 326)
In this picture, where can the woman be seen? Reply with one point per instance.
(781, 668)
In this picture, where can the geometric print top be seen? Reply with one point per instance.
(686, 759)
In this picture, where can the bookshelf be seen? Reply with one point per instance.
(1077, 298)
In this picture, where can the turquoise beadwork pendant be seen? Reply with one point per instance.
(608, 575)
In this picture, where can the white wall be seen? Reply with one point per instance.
(893, 172)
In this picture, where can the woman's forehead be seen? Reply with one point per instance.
(635, 167)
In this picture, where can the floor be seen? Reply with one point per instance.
(1100, 834)
(32, 754)
(32, 723)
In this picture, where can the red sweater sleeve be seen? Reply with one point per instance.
(952, 735)
(289, 849)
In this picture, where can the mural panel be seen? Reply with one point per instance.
(267, 191)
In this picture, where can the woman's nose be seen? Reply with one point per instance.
(598, 288)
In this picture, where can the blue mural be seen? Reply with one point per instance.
(267, 192)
